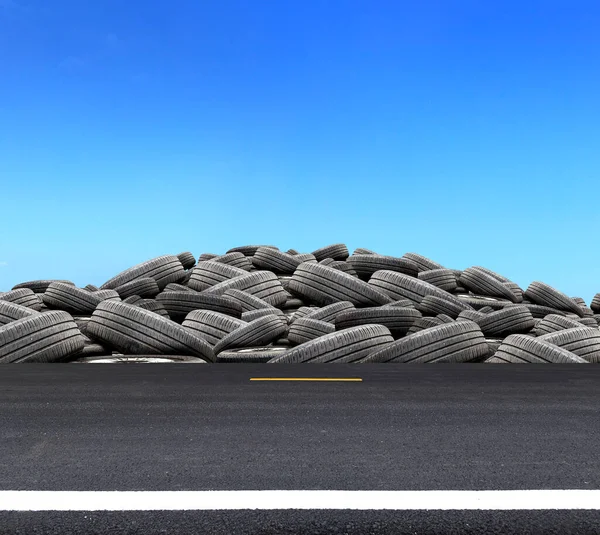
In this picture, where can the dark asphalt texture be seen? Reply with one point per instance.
(190, 427)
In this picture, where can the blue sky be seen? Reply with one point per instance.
(467, 131)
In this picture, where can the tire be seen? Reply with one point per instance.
(174, 287)
(246, 300)
(340, 265)
(211, 326)
(187, 259)
(75, 300)
(481, 283)
(402, 303)
(397, 320)
(324, 285)
(471, 315)
(444, 279)
(237, 260)
(45, 337)
(367, 264)
(207, 256)
(595, 305)
(421, 324)
(400, 286)
(432, 305)
(496, 360)
(249, 250)
(511, 320)
(587, 311)
(306, 329)
(292, 252)
(362, 250)
(105, 295)
(252, 315)
(133, 300)
(460, 341)
(553, 322)
(259, 332)
(337, 251)
(145, 287)
(422, 262)
(88, 287)
(24, 297)
(210, 273)
(276, 261)
(349, 345)
(480, 302)
(543, 294)
(252, 355)
(262, 284)
(581, 341)
(329, 313)
(163, 269)
(520, 349)
(540, 311)
(180, 304)
(135, 331)
(39, 286)
(303, 312)
(513, 287)
(589, 321)
(10, 312)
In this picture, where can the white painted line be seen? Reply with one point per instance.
(496, 500)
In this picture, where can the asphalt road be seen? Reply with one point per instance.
(189, 427)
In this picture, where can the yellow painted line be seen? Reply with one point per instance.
(336, 379)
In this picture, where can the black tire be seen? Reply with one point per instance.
(207, 256)
(587, 311)
(154, 306)
(402, 303)
(324, 285)
(400, 286)
(249, 250)
(340, 265)
(595, 304)
(210, 273)
(174, 287)
(432, 305)
(480, 282)
(422, 262)
(262, 284)
(246, 300)
(259, 332)
(75, 300)
(420, 324)
(180, 304)
(511, 320)
(39, 286)
(302, 312)
(543, 294)
(276, 261)
(471, 315)
(211, 326)
(163, 269)
(442, 278)
(88, 287)
(252, 355)
(589, 321)
(522, 349)
(105, 295)
(329, 313)
(46, 337)
(133, 300)
(292, 252)
(362, 250)
(489, 310)
(236, 259)
(187, 259)
(10, 312)
(581, 341)
(367, 264)
(397, 320)
(252, 315)
(337, 251)
(133, 330)
(24, 297)
(349, 345)
(554, 322)
(495, 360)
(145, 287)
(480, 302)
(306, 329)
(460, 341)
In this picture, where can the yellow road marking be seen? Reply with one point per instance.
(338, 379)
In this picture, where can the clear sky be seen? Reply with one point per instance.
(467, 131)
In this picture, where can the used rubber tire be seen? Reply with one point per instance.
(400, 286)
(246, 300)
(324, 285)
(235, 259)
(511, 320)
(520, 349)
(70, 298)
(460, 341)
(366, 264)
(207, 256)
(420, 324)
(481, 283)
(88, 287)
(581, 341)
(163, 269)
(398, 320)
(554, 322)
(543, 294)
(262, 284)
(249, 250)
(211, 326)
(174, 287)
(45, 337)
(595, 304)
(187, 259)
(442, 278)
(471, 315)
(341, 265)
(251, 355)
(210, 273)
(432, 305)
(349, 345)
(24, 297)
(337, 251)
(134, 330)
(306, 329)
(144, 287)
(276, 261)
(259, 332)
(422, 262)
(154, 306)
(252, 315)
(10, 312)
(180, 304)
(362, 250)
(39, 286)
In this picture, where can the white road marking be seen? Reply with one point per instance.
(496, 500)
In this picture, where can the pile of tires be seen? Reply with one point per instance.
(257, 303)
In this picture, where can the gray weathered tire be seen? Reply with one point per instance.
(432, 305)
(306, 329)
(187, 259)
(442, 278)
(471, 315)
(581, 341)
(337, 251)
(543, 294)
(367, 264)
(481, 282)
(349, 345)
(249, 250)
(246, 300)
(520, 348)
(10, 312)
(554, 322)
(595, 304)
(39, 286)
(276, 261)
(340, 265)
(153, 306)
(174, 287)
(144, 287)
(262, 284)
(24, 297)
(422, 262)
(134, 330)
(211, 326)
(45, 337)
(251, 315)
(401, 286)
(210, 273)
(163, 269)
(259, 332)
(324, 285)
(180, 304)
(460, 341)
(207, 256)
(510, 320)
(251, 355)
(75, 300)
(398, 320)
(235, 259)
(420, 324)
